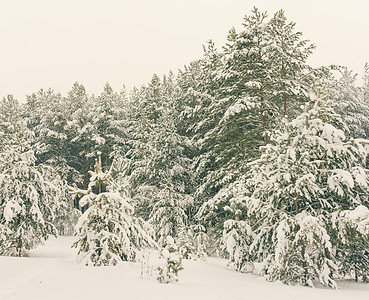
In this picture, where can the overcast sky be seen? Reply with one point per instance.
(49, 43)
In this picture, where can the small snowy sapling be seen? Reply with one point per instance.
(168, 272)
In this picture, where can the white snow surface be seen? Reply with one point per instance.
(51, 272)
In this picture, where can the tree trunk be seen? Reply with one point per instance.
(304, 266)
(297, 207)
(107, 155)
(84, 173)
(265, 122)
(19, 245)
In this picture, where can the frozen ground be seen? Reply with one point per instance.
(51, 273)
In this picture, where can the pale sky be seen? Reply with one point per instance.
(49, 43)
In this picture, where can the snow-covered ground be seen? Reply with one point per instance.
(51, 273)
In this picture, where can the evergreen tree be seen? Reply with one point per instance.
(81, 132)
(10, 116)
(350, 103)
(304, 177)
(173, 262)
(185, 241)
(263, 76)
(158, 169)
(29, 197)
(46, 113)
(201, 241)
(65, 213)
(106, 233)
(365, 86)
(108, 114)
(354, 254)
(353, 228)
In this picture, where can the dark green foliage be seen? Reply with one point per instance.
(354, 254)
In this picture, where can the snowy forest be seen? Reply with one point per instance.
(248, 153)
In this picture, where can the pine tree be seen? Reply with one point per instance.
(29, 197)
(158, 168)
(47, 114)
(201, 241)
(168, 214)
(106, 233)
(365, 86)
(173, 262)
(65, 214)
(185, 241)
(10, 116)
(306, 175)
(82, 135)
(108, 114)
(350, 103)
(237, 238)
(263, 76)
(353, 252)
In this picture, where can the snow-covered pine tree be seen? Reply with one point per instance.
(355, 260)
(236, 241)
(65, 214)
(201, 88)
(159, 168)
(10, 116)
(142, 233)
(108, 114)
(168, 272)
(168, 213)
(46, 113)
(307, 174)
(262, 76)
(350, 103)
(201, 241)
(106, 233)
(83, 139)
(365, 86)
(353, 251)
(104, 228)
(185, 241)
(28, 197)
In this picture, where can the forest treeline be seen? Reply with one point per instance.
(248, 151)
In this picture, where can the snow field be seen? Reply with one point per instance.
(51, 272)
